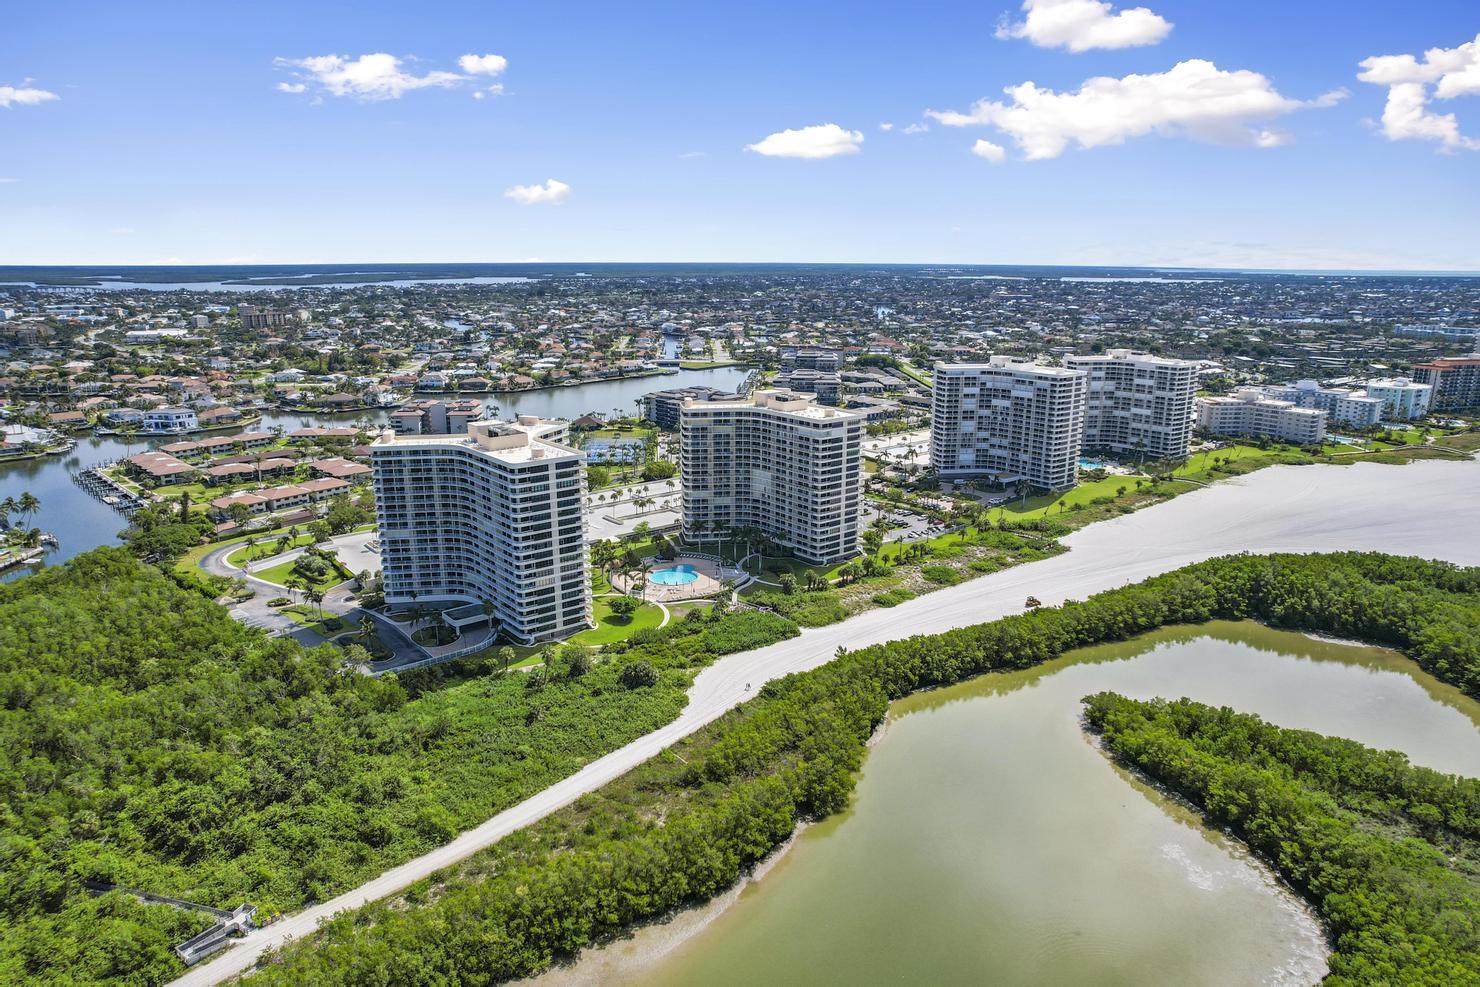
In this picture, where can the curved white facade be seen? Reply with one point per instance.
(495, 515)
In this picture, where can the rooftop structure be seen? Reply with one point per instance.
(662, 407)
(495, 516)
(1008, 420)
(778, 462)
(1138, 403)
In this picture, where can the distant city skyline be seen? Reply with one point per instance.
(1033, 132)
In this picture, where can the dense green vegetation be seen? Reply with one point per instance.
(150, 741)
(689, 823)
(1388, 853)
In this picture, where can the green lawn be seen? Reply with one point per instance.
(283, 571)
(309, 617)
(1198, 464)
(920, 375)
(610, 628)
(263, 549)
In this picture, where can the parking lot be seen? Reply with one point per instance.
(906, 525)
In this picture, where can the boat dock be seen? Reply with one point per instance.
(109, 491)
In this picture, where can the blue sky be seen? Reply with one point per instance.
(1240, 135)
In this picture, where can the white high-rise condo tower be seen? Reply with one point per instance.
(777, 462)
(495, 515)
(1138, 403)
(1008, 420)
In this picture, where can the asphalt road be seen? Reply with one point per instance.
(1427, 509)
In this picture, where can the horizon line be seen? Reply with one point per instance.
(1445, 272)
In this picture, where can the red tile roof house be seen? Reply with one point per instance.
(66, 419)
(340, 468)
(218, 416)
(158, 467)
(282, 498)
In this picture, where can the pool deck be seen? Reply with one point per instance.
(710, 576)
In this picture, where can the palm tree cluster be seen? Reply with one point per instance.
(24, 506)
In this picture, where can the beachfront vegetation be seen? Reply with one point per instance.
(148, 740)
(1386, 852)
(688, 823)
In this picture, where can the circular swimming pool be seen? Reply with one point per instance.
(679, 575)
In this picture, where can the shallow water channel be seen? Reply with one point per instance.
(991, 841)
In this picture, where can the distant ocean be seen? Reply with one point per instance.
(279, 276)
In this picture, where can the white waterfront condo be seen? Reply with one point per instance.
(778, 462)
(1008, 420)
(1138, 403)
(1341, 404)
(1402, 399)
(1252, 412)
(495, 515)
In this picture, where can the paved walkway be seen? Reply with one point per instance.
(1426, 509)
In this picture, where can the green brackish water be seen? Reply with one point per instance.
(990, 841)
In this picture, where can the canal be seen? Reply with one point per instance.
(81, 522)
(991, 841)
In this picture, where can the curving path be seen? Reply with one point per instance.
(1426, 509)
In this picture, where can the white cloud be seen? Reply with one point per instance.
(886, 126)
(690, 155)
(1194, 99)
(825, 140)
(917, 128)
(1081, 25)
(376, 76)
(995, 153)
(550, 193)
(1451, 72)
(24, 95)
(291, 87)
(497, 89)
(483, 64)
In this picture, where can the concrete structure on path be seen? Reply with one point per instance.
(495, 515)
(1008, 420)
(778, 462)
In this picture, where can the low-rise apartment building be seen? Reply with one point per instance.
(1250, 412)
(436, 417)
(778, 462)
(828, 387)
(662, 408)
(819, 358)
(1341, 404)
(1138, 403)
(494, 515)
(1008, 420)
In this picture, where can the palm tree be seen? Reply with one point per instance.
(8, 507)
(367, 629)
(26, 506)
